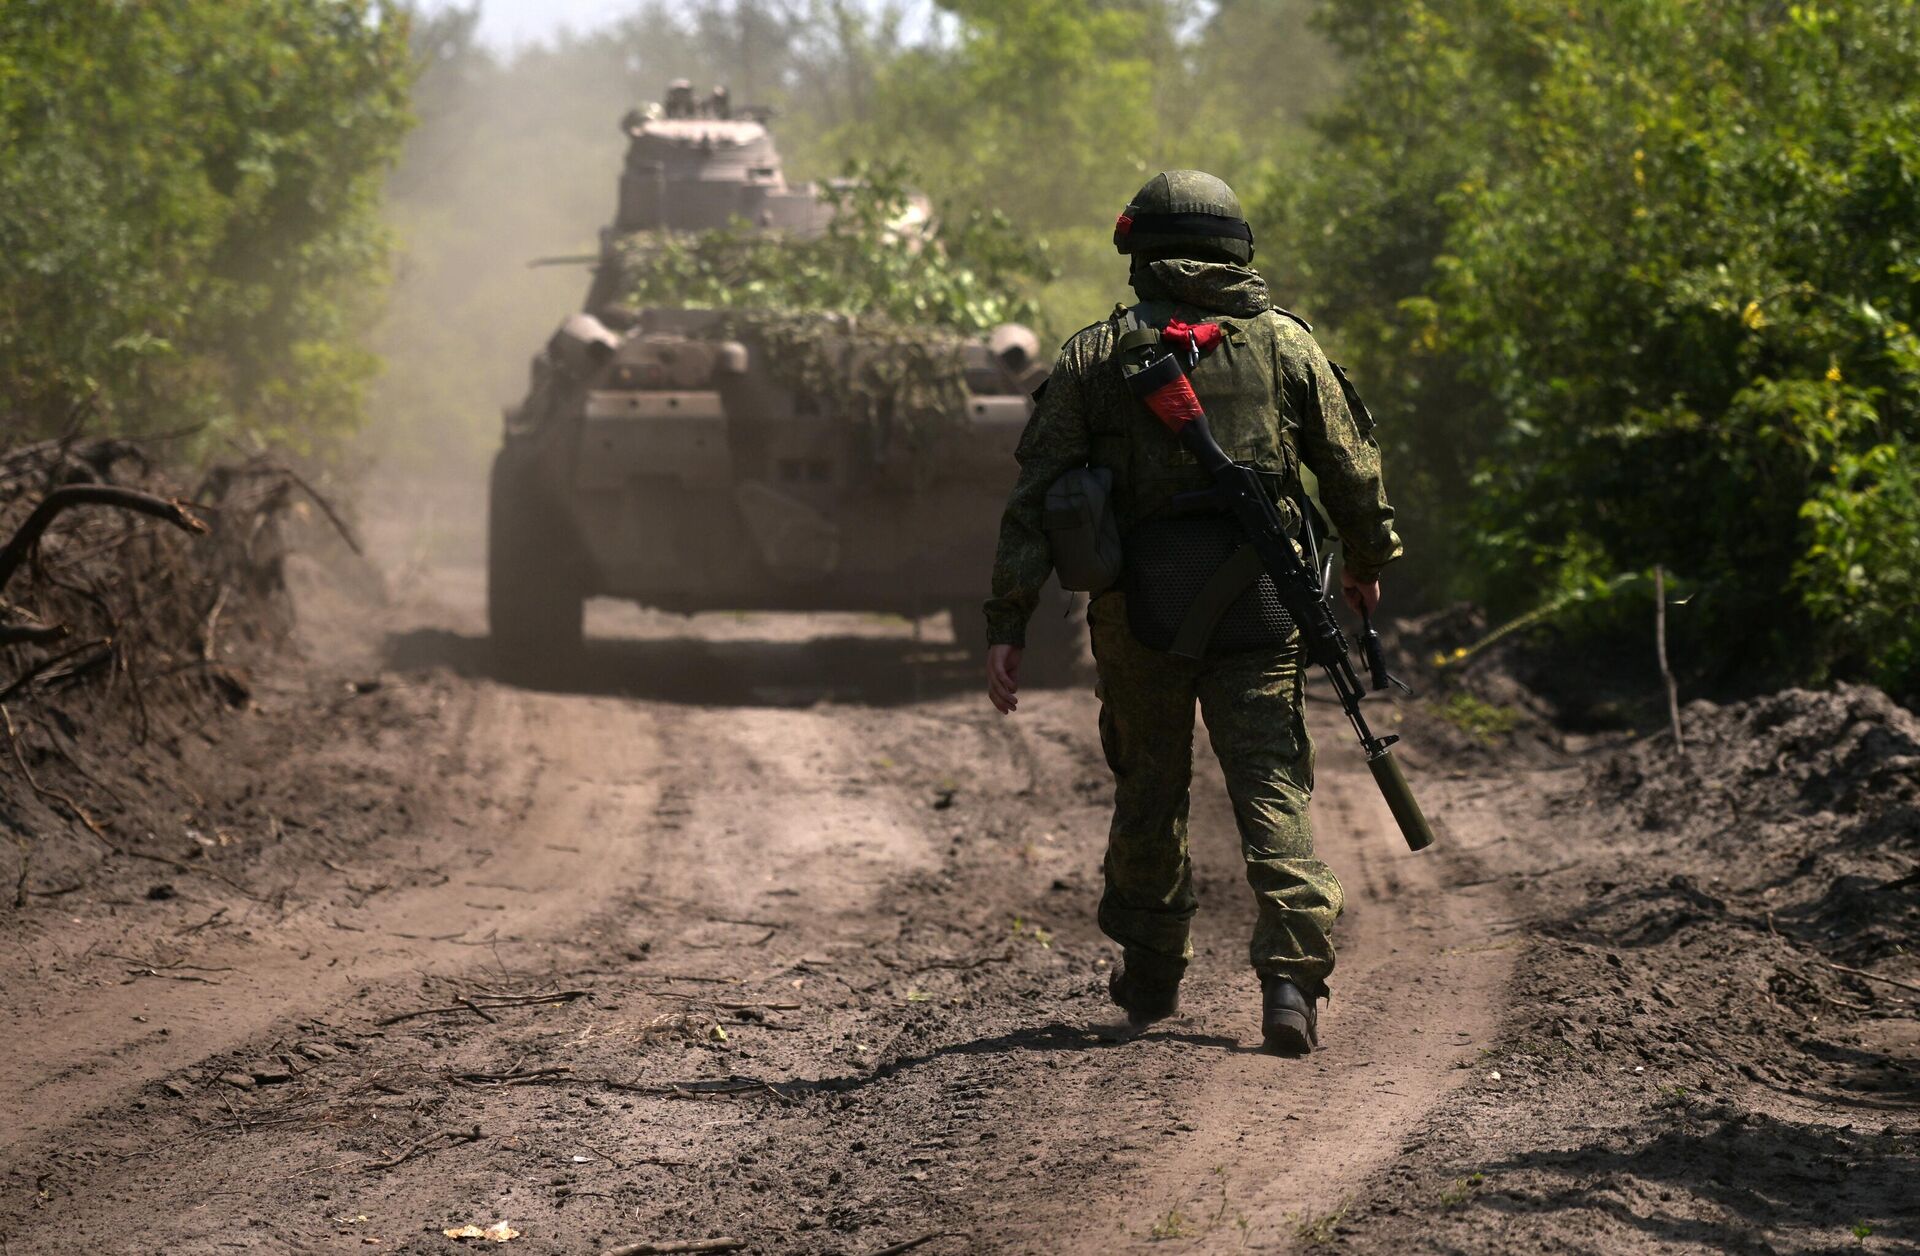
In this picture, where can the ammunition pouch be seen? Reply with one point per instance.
(1195, 588)
(1082, 532)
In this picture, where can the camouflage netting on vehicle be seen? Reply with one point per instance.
(897, 384)
(867, 318)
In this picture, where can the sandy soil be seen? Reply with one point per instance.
(829, 922)
(766, 927)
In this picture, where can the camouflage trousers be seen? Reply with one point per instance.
(1252, 704)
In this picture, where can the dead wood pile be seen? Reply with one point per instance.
(130, 612)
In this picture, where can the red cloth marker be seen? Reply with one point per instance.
(1199, 337)
(1167, 391)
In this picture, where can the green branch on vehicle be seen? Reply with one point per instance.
(867, 318)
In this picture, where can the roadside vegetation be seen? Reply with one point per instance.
(190, 232)
(1636, 285)
(1626, 287)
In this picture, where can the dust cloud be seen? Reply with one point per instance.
(511, 161)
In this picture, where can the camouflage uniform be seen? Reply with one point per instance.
(1251, 699)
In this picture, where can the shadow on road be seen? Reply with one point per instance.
(1057, 1036)
(877, 671)
(1727, 1181)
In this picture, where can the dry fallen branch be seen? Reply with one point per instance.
(92, 826)
(716, 1089)
(513, 1077)
(148, 964)
(151, 971)
(965, 964)
(491, 1001)
(326, 508)
(1864, 975)
(1660, 650)
(169, 510)
(210, 920)
(161, 611)
(267, 468)
(52, 795)
(419, 1146)
(192, 869)
(46, 665)
(31, 632)
(669, 1247)
(897, 1248)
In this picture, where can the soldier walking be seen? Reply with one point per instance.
(1275, 403)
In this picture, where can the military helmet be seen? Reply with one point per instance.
(1184, 213)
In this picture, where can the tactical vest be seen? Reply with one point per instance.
(1193, 587)
(1238, 382)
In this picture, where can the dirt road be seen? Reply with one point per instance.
(768, 928)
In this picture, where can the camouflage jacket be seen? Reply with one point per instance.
(1086, 417)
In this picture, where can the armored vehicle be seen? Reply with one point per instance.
(661, 457)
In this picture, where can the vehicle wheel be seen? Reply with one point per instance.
(536, 595)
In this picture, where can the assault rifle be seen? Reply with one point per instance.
(1165, 389)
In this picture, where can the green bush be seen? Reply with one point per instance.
(188, 212)
(913, 294)
(1635, 285)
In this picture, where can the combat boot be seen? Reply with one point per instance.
(1288, 1019)
(1147, 987)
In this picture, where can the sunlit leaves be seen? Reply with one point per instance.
(1641, 291)
(188, 211)
(967, 274)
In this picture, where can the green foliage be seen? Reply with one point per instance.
(188, 211)
(1479, 719)
(867, 316)
(1172, 1226)
(1056, 111)
(1321, 1230)
(1463, 1190)
(897, 383)
(1640, 290)
(963, 277)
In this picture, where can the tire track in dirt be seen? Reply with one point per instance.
(1278, 1146)
(534, 763)
(885, 899)
(1188, 1138)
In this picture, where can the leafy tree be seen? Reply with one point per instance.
(1638, 285)
(189, 211)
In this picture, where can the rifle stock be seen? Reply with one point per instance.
(1165, 389)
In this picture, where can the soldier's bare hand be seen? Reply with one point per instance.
(1364, 598)
(1003, 677)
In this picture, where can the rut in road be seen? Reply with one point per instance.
(881, 907)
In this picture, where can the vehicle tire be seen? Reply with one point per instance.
(536, 591)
